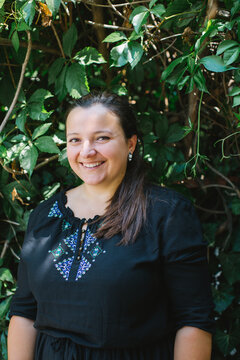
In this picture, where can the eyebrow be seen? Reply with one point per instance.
(95, 132)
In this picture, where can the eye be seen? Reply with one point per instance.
(103, 138)
(73, 140)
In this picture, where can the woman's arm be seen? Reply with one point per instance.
(21, 339)
(192, 343)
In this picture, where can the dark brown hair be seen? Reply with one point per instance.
(126, 211)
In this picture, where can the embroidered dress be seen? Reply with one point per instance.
(91, 299)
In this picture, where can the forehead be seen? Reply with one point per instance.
(95, 115)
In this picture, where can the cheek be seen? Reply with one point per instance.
(71, 153)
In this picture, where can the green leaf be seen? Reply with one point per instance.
(231, 264)
(158, 10)
(40, 95)
(200, 81)
(119, 55)
(235, 205)
(139, 17)
(36, 105)
(55, 69)
(235, 8)
(175, 133)
(2, 3)
(225, 45)
(4, 307)
(21, 120)
(135, 52)
(89, 55)
(161, 127)
(69, 40)
(236, 101)
(215, 63)
(28, 11)
(28, 158)
(115, 36)
(53, 5)
(176, 76)
(135, 36)
(235, 91)
(5, 275)
(15, 41)
(60, 84)
(172, 66)
(76, 81)
(40, 130)
(226, 341)
(223, 297)
(231, 55)
(152, 2)
(46, 144)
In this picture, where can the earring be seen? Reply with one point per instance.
(130, 156)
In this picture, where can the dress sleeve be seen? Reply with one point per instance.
(23, 302)
(186, 269)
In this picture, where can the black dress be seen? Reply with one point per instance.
(113, 302)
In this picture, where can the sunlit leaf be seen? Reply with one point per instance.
(115, 36)
(89, 55)
(46, 144)
(28, 158)
(40, 130)
(76, 81)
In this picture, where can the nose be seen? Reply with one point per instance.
(87, 149)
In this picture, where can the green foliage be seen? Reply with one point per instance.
(181, 72)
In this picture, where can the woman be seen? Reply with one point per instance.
(114, 268)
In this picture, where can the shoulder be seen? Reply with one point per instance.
(44, 208)
(164, 197)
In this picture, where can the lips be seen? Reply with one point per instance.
(92, 165)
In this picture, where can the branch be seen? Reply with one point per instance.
(108, 26)
(45, 162)
(58, 40)
(114, 26)
(20, 82)
(46, 49)
(117, 11)
(224, 177)
(89, 2)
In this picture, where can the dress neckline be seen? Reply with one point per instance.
(69, 214)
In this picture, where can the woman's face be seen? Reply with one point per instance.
(97, 149)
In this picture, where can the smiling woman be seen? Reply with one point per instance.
(115, 268)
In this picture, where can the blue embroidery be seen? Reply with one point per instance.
(54, 211)
(91, 248)
(57, 252)
(71, 241)
(89, 240)
(84, 266)
(65, 225)
(95, 251)
(64, 267)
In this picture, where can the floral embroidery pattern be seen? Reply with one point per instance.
(84, 266)
(91, 249)
(71, 241)
(65, 266)
(55, 211)
(65, 225)
(57, 252)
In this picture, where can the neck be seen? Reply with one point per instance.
(97, 193)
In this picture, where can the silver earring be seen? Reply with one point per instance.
(130, 156)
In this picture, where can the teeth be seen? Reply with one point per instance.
(92, 165)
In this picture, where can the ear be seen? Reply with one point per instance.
(132, 142)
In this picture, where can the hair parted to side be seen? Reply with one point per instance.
(126, 211)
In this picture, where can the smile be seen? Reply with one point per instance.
(92, 165)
